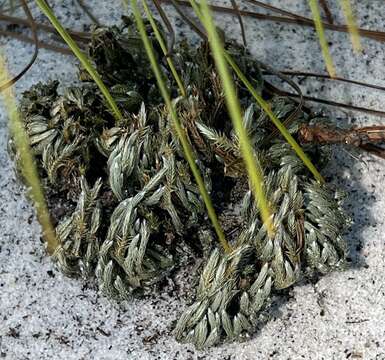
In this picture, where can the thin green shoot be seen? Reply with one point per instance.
(180, 131)
(265, 106)
(252, 165)
(163, 46)
(27, 163)
(81, 56)
(321, 37)
(352, 25)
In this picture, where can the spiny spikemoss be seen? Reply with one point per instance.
(132, 210)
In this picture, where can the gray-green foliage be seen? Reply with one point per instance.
(308, 222)
(132, 210)
(78, 233)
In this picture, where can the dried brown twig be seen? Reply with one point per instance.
(288, 17)
(239, 16)
(326, 10)
(291, 18)
(170, 29)
(88, 12)
(337, 104)
(42, 44)
(32, 24)
(328, 77)
(80, 37)
(77, 35)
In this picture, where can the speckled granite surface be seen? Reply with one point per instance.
(44, 315)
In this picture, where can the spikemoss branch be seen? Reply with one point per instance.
(252, 165)
(265, 106)
(180, 131)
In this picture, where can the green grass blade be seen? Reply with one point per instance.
(321, 37)
(252, 165)
(27, 162)
(297, 148)
(352, 25)
(265, 106)
(180, 131)
(164, 48)
(80, 55)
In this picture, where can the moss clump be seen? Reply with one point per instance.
(128, 212)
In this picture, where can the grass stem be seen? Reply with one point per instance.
(352, 25)
(160, 40)
(180, 131)
(321, 37)
(81, 56)
(266, 108)
(253, 167)
(27, 163)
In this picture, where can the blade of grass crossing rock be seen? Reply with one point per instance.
(180, 131)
